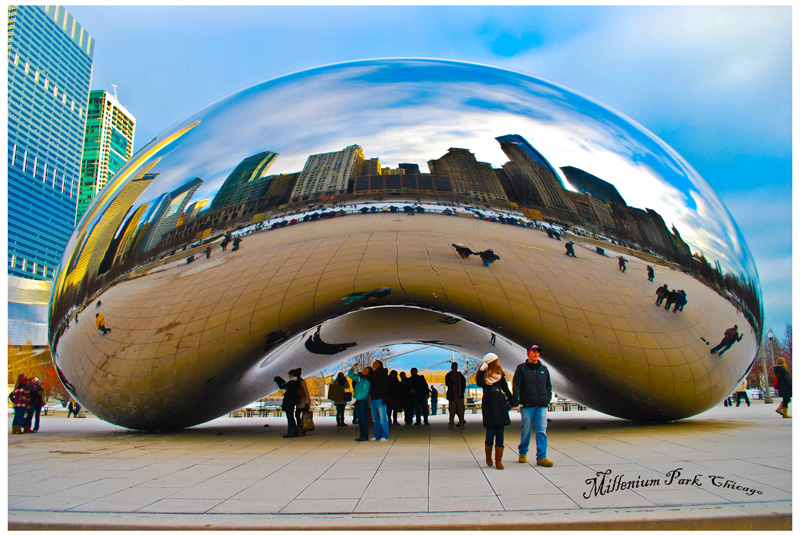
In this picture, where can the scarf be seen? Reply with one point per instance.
(491, 379)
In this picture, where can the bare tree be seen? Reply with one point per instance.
(366, 359)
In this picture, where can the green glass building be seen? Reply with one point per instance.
(107, 145)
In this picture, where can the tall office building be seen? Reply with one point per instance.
(246, 181)
(472, 179)
(167, 212)
(534, 178)
(328, 173)
(107, 145)
(49, 75)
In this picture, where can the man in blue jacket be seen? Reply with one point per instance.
(533, 390)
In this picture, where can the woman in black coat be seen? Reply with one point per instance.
(784, 387)
(497, 399)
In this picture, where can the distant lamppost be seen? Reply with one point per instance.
(767, 386)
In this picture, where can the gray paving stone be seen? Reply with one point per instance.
(98, 473)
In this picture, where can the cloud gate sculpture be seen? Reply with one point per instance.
(316, 216)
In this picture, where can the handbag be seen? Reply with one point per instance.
(348, 396)
(307, 421)
(775, 382)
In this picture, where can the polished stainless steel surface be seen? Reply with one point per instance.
(339, 193)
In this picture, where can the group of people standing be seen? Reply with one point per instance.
(28, 399)
(676, 297)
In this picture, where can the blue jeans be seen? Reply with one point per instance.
(379, 419)
(360, 409)
(20, 415)
(33, 411)
(534, 418)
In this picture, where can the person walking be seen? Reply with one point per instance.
(73, 408)
(21, 398)
(741, 392)
(361, 387)
(651, 275)
(622, 260)
(434, 400)
(784, 387)
(456, 385)
(729, 338)
(208, 252)
(37, 401)
(534, 392)
(377, 392)
(497, 399)
(570, 246)
(336, 392)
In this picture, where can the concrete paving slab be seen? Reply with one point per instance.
(234, 473)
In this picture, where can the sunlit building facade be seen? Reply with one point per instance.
(328, 174)
(107, 145)
(49, 75)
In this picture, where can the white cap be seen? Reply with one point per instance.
(488, 358)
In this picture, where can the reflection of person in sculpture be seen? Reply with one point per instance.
(488, 257)
(463, 251)
(570, 246)
(100, 320)
(650, 273)
(316, 345)
(730, 337)
(622, 261)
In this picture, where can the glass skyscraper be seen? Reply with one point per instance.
(49, 75)
(108, 145)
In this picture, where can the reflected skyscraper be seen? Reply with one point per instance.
(168, 211)
(471, 179)
(536, 180)
(588, 184)
(49, 73)
(328, 173)
(107, 145)
(246, 181)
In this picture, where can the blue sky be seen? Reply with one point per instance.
(712, 82)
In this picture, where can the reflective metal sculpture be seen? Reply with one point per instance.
(315, 216)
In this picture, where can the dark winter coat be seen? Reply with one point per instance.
(419, 388)
(497, 398)
(784, 381)
(379, 387)
(532, 385)
(456, 385)
(291, 395)
(36, 395)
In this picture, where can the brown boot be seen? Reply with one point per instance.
(15, 429)
(498, 457)
(488, 449)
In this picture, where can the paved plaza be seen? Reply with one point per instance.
(729, 468)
